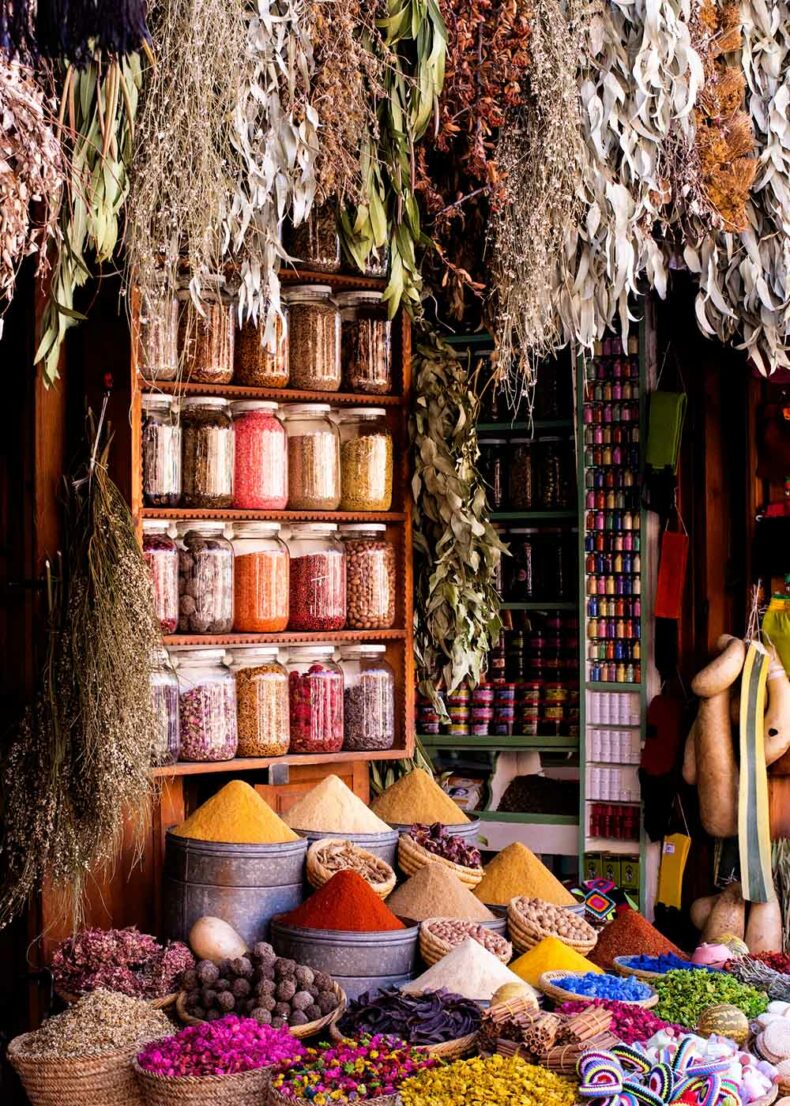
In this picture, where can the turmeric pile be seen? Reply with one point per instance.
(517, 871)
(550, 954)
(417, 797)
(237, 815)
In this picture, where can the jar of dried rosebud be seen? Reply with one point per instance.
(261, 357)
(314, 338)
(313, 458)
(366, 343)
(261, 702)
(260, 586)
(315, 243)
(207, 432)
(315, 685)
(161, 449)
(207, 706)
(166, 745)
(260, 471)
(207, 335)
(156, 326)
(368, 698)
(365, 460)
(317, 578)
(205, 579)
(161, 556)
(370, 576)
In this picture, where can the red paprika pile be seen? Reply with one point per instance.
(345, 902)
(630, 935)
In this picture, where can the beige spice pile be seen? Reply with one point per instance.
(331, 807)
(434, 891)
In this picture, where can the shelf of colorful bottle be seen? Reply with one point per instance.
(498, 743)
(524, 426)
(230, 514)
(286, 637)
(540, 605)
(527, 819)
(280, 395)
(605, 685)
(532, 516)
(254, 764)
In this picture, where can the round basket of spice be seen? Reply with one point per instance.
(442, 1024)
(562, 986)
(438, 936)
(530, 920)
(653, 967)
(427, 844)
(331, 855)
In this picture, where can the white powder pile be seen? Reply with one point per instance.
(333, 808)
(469, 970)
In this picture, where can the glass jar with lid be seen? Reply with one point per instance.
(314, 338)
(524, 582)
(157, 333)
(207, 336)
(208, 455)
(370, 576)
(315, 686)
(260, 586)
(261, 355)
(315, 243)
(553, 488)
(261, 701)
(317, 578)
(164, 697)
(521, 484)
(365, 460)
(207, 706)
(313, 458)
(366, 342)
(260, 471)
(161, 556)
(161, 449)
(494, 467)
(205, 578)
(368, 698)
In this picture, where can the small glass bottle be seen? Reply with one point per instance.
(161, 449)
(261, 572)
(365, 460)
(316, 700)
(522, 491)
(314, 338)
(261, 360)
(318, 578)
(164, 696)
(493, 465)
(205, 579)
(207, 706)
(261, 701)
(368, 697)
(207, 433)
(161, 556)
(207, 337)
(260, 471)
(366, 343)
(313, 458)
(370, 576)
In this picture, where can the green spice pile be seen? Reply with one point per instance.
(494, 1079)
(684, 995)
(101, 1022)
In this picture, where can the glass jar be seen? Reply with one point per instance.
(207, 706)
(157, 330)
(260, 470)
(365, 460)
(205, 579)
(366, 343)
(261, 702)
(493, 465)
(315, 689)
(521, 485)
(207, 339)
(315, 243)
(313, 458)
(260, 586)
(557, 573)
(314, 338)
(318, 578)
(207, 431)
(553, 492)
(260, 360)
(370, 576)
(523, 580)
(161, 448)
(161, 556)
(166, 744)
(368, 698)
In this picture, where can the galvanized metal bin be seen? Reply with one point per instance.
(384, 845)
(468, 830)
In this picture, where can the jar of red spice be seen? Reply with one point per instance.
(261, 356)
(260, 470)
(207, 336)
(370, 576)
(315, 685)
(318, 578)
(260, 589)
(313, 458)
(161, 556)
(262, 702)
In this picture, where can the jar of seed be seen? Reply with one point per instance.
(315, 243)
(157, 334)
(315, 684)
(313, 458)
(365, 460)
(208, 458)
(207, 706)
(261, 358)
(205, 579)
(314, 338)
(317, 578)
(368, 698)
(207, 336)
(553, 486)
(260, 471)
(366, 343)
(261, 702)
(164, 696)
(161, 556)
(261, 570)
(522, 491)
(370, 576)
(161, 449)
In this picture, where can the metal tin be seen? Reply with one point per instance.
(384, 844)
(468, 830)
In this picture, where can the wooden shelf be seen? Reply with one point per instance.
(254, 764)
(232, 515)
(349, 281)
(290, 637)
(281, 395)
(532, 516)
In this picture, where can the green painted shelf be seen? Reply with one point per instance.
(528, 819)
(531, 516)
(493, 741)
(537, 605)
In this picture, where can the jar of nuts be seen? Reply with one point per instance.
(161, 556)
(261, 702)
(315, 685)
(261, 358)
(314, 338)
(313, 458)
(370, 576)
(365, 460)
(207, 432)
(207, 336)
(260, 586)
(161, 448)
(207, 706)
(368, 698)
(366, 342)
(205, 579)
(260, 471)
(317, 578)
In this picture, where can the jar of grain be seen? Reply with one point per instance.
(205, 578)
(166, 744)
(370, 576)
(317, 578)
(315, 687)
(368, 698)
(157, 334)
(260, 470)
(207, 706)
(522, 494)
(366, 343)
(261, 358)
(161, 449)
(207, 336)
(161, 556)
(207, 433)
(261, 702)
(313, 458)
(554, 489)
(260, 604)
(315, 243)
(314, 338)
(365, 460)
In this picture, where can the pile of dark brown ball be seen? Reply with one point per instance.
(272, 989)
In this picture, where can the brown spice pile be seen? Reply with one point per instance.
(434, 892)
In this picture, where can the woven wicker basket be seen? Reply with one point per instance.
(433, 948)
(274, 1098)
(623, 968)
(318, 874)
(246, 1088)
(107, 1080)
(525, 933)
(447, 1050)
(163, 1003)
(560, 994)
(412, 857)
(298, 1031)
